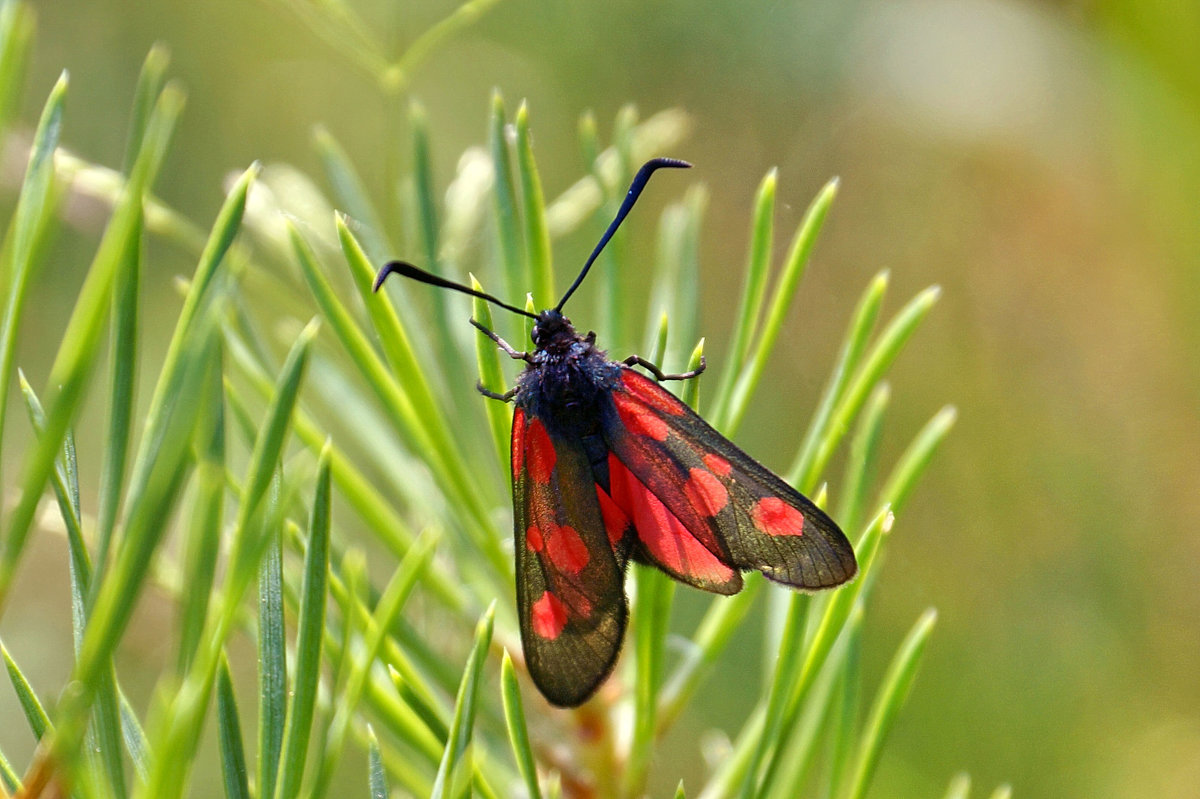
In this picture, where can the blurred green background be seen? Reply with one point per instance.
(1040, 161)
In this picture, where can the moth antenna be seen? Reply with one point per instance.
(635, 189)
(405, 269)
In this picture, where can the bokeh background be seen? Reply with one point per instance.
(1039, 160)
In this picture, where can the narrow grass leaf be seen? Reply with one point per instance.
(862, 460)
(892, 693)
(454, 759)
(959, 787)
(514, 271)
(202, 542)
(351, 195)
(272, 664)
(434, 445)
(884, 351)
(35, 713)
(229, 734)
(916, 457)
(533, 203)
(651, 617)
(854, 344)
(29, 219)
(8, 774)
(376, 778)
(789, 279)
(518, 732)
(105, 732)
(400, 73)
(202, 295)
(1003, 791)
(754, 290)
(314, 592)
(17, 23)
(690, 391)
(491, 377)
(404, 579)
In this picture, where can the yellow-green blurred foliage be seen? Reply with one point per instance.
(1041, 161)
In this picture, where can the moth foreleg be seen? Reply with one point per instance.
(507, 396)
(513, 353)
(637, 360)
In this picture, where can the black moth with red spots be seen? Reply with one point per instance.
(608, 467)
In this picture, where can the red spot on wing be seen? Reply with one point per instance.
(660, 531)
(705, 492)
(517, 448)
(548, 616)
(775, 517)
(718, 464)
(639, 419)
(533, 539)
(651, 394)
(566, 550)
(540, 453)
(616, 521)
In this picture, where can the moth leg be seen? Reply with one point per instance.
(637, 360)
(516, 355)
(507, 396)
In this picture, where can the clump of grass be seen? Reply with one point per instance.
(281, 483)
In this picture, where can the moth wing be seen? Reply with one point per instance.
(729, 504)
(570, 592)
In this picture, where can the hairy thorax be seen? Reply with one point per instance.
(564, 384)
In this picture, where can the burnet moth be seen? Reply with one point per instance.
(609, 467)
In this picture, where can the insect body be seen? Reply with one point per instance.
(607, 466)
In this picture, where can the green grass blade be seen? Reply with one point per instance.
(514, 272)
(376, 778)
(433, 442)
(754, 291)
(229, 730)
(77, 354)
(892, 692)
(202, 294)
(151, 81)
(455, 761)
(400, 73)
(915, 459)
(29, 219)
(864, 453)
(884, 351)
(518, 732)
(17, 23)
(793, 269)
(858, 335)
(712, 636)
(351, 195)
(404, 579)
(690, 391)
(959, 787)
(272, 665)
(9, 776)
(35, 713)
(314, 593)
(202, 543)
(1003, 791)
(491, 377)
(135, 738)
(392, 530)
(651, 618)
(533, 203)
(124, 327)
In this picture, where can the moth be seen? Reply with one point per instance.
(609, 467)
